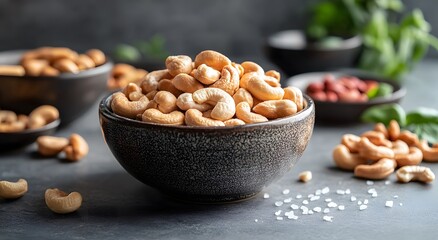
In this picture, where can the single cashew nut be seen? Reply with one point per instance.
(206, 75)
(34, 67)
(97, 56)
(229, 81)
(245, 78)
(379, 170)
(133, 92)
(121, 105)
(272, 81)
(415, 173)
(249, 66)
(179, 64)
(273, 109)
(185, 102)
(56, 53)
(12, 127)
(305, 176)
(262, 90)
(377, 138)
(294, 94)
(372, 152)
(352, 142)
(414, 157)
(12, 70)
(234, 122)
(150, 81)
(12, 190)
(7, 116)
(408, 137)
(430, 154)
(400, 148)
(239, 68)
(186, 83)
(85, 62)
(61, 202)
(153, 115)
(243, 112)
(393, 130)
(274, 74)
(224, 107)
(346, 160)
(242, 95)
(50, 146)
(42, 115)
(77, 148)
(167, 85)
(380, 127)
(66, 65)
(194, 117)
(212, 59)
(166, 101)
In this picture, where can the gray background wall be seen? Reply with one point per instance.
(234, 27)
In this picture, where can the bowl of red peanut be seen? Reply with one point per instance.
(341, 97)
(207, 129)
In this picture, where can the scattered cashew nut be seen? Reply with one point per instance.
(12, 190)
(345, 159)
(379, 170)
(61, 202)
(50, 146)
(305, 176)
(77, 148)
(415, 173)
(372, 152)
(430, 154)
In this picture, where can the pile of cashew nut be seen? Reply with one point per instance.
(377, 154)
(123, 74)
(56, 200)
(209, 91)
(52, 61)
(74, 148)
(39, 117)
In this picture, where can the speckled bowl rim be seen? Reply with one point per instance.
(105, 110)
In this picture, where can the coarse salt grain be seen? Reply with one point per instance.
(353, 198)
(374, 195)
(369, 183)
(314, 198)
(265, 195)
(294, 217)
(341, 207)
(387, 182)
(332, 205)
(340, 192)
(305, 202)
(326, 210)
(317, 209)
(287, 200)
(325, 190)
(327, 218)
(401, 204)
(365, 201)
(280, 218)
(395, 196)
(289, 213)
(371, 190)
(389, 204)
(328, 200)
(299, 196)
(294, 206)
(363, 207)
(310, 212)
(278, 203)
(347, 191)
(318, 192)
(359, 202)
(286, 191)
(310, 195)
(256, 220)
(278, 213)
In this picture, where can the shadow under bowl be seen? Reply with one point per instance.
(72, 94)
(290, 51)
(345, 112)
(207, 164)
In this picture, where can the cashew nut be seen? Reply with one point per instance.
(133, 92)
(12, 70)
(121, 105)
(294, 94)
(153, 115)
(377, 138)
(413, 157)
(234, 122)
(276, 108)
(61, 202)
(77, 148)
(239, 68)
(346, 160)
(167, 85)
(186, 83)
(150, 81)
(380, 127)
(206, 75)
(66, 65)
(179, 64)
(12, 190)
(274, 74)
(185, 102)
(49, 71)
(224, 107)
(415, 173)
(249, 66)
(379, 170)
(34, 67)
(7, 116)
(229, 81)
(245, 78)
(370, 151)
(12, 127)
(85, 62)
(42, 115)
(408, 137)
(272, 81)
(352, 142)
(393, 130)
(242, 95)
(243, 112)
(400, 148)
(165, 102)
(430, 154)
(51, 146)
(212, 59)
(151, 95)
(97, 56)
(262, 90)
(305, 176)
(193, 117)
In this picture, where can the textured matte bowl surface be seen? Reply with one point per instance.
(207, 164)
(72, 94)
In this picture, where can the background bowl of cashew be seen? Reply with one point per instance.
(72, 93)
(207, 164)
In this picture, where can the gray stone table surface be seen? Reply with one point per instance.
(117, 206)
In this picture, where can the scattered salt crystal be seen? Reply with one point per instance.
(256, 220)
(401, 204)
(340, 192)
(304, 210)
(347, 191)
(294, 206)
(369, 183)
(299, 196)
(326, 210)
(278, 203)
(328, 200)
(363, 207)
(287, 200)
(294, 217)
(389, 204)
(305, 202)
(341, 207)
(332, 205)
(352, 198)
(374, 195)
(371, 190)
(280, 218)
(286, 191)
(365, 201)
(310, 196)
(278, 213)
(387, 182)
(325, 190)
(265, 195)
(359, 202)
(314, 198)
(328, 218)
(289, 213)
(395, 196)
(310, 212)
(318, 192)
(317, 209)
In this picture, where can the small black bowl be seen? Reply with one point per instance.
(72, 94)
(290, 51)
(345, 112)
(207, 164)
(13, 140)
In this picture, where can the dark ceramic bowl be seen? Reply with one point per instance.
(12, 140)
(207, 164)
(290, 51)
(345, 112)
(72, 94)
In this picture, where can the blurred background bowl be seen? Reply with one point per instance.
(207, 164)
(345, 112)
(72, 94)
(291, 52)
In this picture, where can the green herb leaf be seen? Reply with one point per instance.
(426, 131)
(384, 114)
(422, 115)
(125, 52)
(382, 90)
